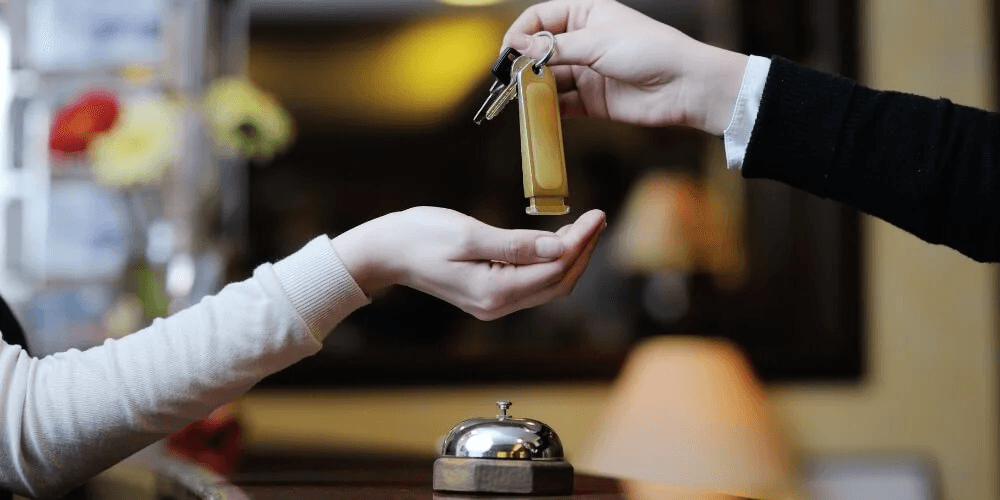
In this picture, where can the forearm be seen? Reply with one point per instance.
(71, 415)
(925, 165)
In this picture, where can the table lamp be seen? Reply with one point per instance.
(674, 222)
(688, 419)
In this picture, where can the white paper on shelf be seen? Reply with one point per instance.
(73, 35)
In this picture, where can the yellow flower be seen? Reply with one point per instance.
(140, 147)
(245, 120)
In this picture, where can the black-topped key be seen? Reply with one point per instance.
(501, 68)
(501, 88)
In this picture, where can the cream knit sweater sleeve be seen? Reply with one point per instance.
(66, 417)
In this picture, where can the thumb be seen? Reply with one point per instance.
(518, 246)
(575, 48)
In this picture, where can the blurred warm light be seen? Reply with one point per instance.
(673, 222)
(416, 75)
(653, 236)
(690, 415)
(431, 65)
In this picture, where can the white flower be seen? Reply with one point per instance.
(140, 147)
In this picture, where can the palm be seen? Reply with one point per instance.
(479, 268)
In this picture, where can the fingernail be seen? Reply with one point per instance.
(548, 247)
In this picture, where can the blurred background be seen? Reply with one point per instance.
(154, 150)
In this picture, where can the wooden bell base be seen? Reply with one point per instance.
(488, 475)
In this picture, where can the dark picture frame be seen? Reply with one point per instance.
(798, 317)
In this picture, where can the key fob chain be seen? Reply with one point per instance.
(543, 160)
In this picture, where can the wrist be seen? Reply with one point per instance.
(360, 249)
(718, 77)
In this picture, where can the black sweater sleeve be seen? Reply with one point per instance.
(925, 165)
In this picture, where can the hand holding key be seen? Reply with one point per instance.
(616, 63)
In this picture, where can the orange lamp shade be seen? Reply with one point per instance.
(689, 416)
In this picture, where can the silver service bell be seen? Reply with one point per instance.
(503, 455)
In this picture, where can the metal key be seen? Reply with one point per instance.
(501, 68)
(501, 92)
(495, 91)
(508, 93)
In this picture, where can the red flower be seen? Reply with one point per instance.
(78, 122)
(215, 442)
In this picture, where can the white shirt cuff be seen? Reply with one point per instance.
(736, 137)
(319, 286)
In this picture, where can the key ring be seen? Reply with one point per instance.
(548, 55)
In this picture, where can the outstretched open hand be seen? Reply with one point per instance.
(486, 271)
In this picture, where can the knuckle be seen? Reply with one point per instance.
(484, 314)
(489, 304)
(510, 251)
(517, 251)
(493, 303)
